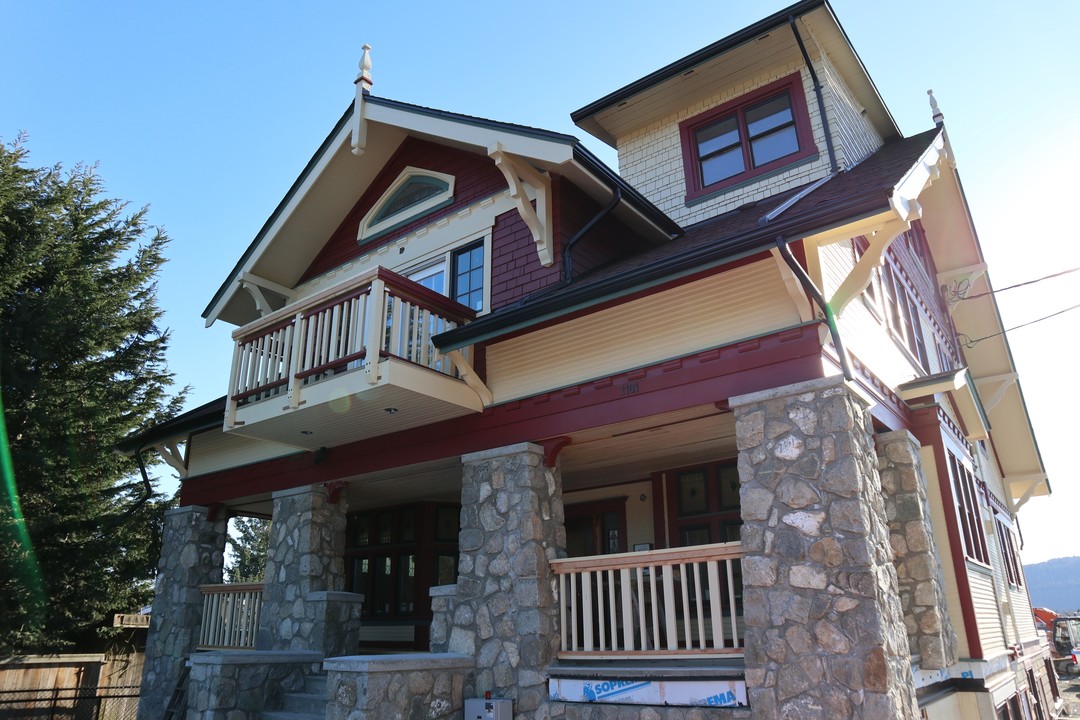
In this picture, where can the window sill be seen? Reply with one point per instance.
(979, 567)
(705, 194)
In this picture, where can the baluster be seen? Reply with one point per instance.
(731, 599)
(669, 609)
(333, 353)
(573, 611)
(642, 629)
(601, 616)
(700, 609)
(613, 621)
(715, 612)
(295, 346)
(627, 610)
(655, 608)
(587, 609)
(562, 609)
(688, 626)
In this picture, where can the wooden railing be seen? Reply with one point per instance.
(230, 616)
(662, 603)
(348, 327)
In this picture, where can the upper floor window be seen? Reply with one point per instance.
(467, 276)
(968, 510)
(753, 135)
(414, 193)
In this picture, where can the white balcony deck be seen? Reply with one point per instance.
(350, 363)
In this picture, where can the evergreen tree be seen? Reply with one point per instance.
(248, 539)
(82, 364)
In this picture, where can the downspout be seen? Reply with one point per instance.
(817, 92)
(809, 287)
(567, 257)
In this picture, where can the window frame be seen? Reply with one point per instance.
(967, 505)
(371, 227)
(452, 279)
(793, 86)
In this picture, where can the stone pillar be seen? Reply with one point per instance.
(192, 554)
(505, 613)
(304, 606)
(918, 567)
(825, 632)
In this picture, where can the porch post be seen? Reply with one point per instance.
(918, 567)
(304, 606)
(824, 628)
(192, 554)
(505, 613)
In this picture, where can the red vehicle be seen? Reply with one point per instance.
(1063, 633)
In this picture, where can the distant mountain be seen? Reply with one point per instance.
(1055, 584)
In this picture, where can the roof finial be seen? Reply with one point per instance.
(937, 117)
(363, 78)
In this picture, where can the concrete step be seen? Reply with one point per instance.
(315, 684)
(304, 702)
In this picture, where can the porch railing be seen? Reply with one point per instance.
(662, 603)
(230, 616)
(348, 327)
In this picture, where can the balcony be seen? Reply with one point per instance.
(350, 363)
(676, 603)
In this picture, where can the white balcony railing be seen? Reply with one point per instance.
(682, 602)
(230, 616)
(348, 327)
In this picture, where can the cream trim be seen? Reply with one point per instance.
(540, 220)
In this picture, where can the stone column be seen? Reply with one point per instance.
(304, 606)
(918, 567)
(825, 632)
(192, 554)
(505, 613)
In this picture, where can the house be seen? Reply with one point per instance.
(694, 439)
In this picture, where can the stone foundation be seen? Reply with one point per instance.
(192, 554)
(825, 633)
(304, 607)
(422, 686)
(504, 609)
(918, 568)
(240, 685)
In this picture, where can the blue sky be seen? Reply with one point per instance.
(208, 111)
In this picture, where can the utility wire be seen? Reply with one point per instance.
(1029, 282)
(969, 343)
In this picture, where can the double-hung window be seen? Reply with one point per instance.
(751, 136)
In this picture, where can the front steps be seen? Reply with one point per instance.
(307, 704)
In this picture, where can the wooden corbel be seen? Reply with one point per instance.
(255, 286)
(794, 288)
(174, 458)
(552, 448)
(518, 173)
(468, 374)
(956, 283)
(1004, 382)
(334, 489)
(860, 275)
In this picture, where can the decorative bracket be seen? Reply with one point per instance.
(256, 285)
(552, 448)
(174, 457)
(1034, 481)
(363, 87)
(956, 283)
(334, 489)
(518, 173)
(1005, 381)
(465, 370)
(860, 275)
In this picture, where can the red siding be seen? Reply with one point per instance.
(607, 241)
(475, 178)
(515, 264)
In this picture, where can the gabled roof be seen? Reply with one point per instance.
(858, 192)
(334, 178)
(645, 99)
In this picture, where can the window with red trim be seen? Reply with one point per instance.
(758, 133)
(966, 497)
(1009, 557)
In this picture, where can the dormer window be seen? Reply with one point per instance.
(754, 135)
(415, 193)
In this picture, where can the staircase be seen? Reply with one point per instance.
(307, 704)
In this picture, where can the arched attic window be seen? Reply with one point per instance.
(415, 193)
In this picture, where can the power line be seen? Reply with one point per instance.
(1029, 282)
(969, 343)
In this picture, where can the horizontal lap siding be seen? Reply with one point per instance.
(475, 178)
(515, 264)
(719, 310)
